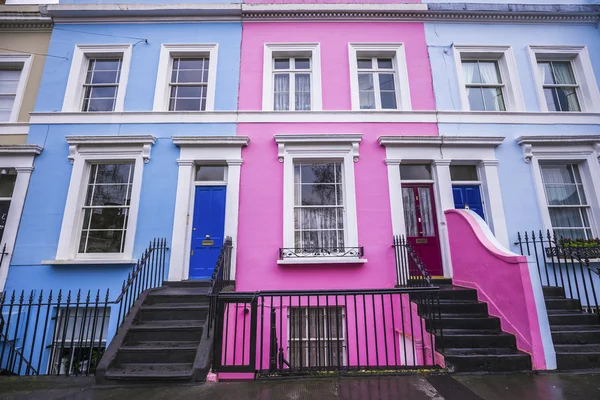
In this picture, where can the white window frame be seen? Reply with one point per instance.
(275, 50)
(74, 92)
(389, 50)
(316, 148)
(26, 60)
(587, 91)
(83, 151)
(504, 56)
(583, 150)
(165, 65)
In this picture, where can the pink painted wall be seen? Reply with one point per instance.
(330, 1)
(260, 232)
(335, 73)
(502, 281)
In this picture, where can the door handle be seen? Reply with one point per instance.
(208, 236)
(192, 253)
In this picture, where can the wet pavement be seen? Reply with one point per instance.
(524, 386)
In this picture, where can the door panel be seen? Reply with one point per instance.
(207, 230)
(468, 196)
(421, 225)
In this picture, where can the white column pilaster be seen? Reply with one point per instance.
(493, 197)
(396, 202)
(444, 201)
(232, 207)
(181, 222)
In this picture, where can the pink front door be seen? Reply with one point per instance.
(421, 225)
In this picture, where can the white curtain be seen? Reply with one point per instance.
(426, 212)
(366, 91)
(564, 76)
(281, 88)
(469, 71)
(302, 92)
(410, 212)
(319, 227)
(489, 73)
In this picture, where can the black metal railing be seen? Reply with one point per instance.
(319, 251)
(410, 270)
(220, 279)
(341, 331)
(66, 332)
(562, 266)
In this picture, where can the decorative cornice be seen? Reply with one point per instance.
(239, 141)
(144, 141)
(20, 149)
(473, 141)
(527, 143)
(318, 139)
(15, 17)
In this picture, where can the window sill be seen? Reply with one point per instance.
(321, 260)
(89, 262)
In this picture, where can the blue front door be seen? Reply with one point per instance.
(207, 230)
(468, 196)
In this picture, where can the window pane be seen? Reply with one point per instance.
(386, 82)
(111, 173)
(187, 104)
(475, 99)
(101, 242)
(567, 97)
(546, 72)
(99, 105)
(489, 72)
(366, 91)
(385, 63)
(302, 92)
(551, 99)
(493, 99)
(471, 72)
(562, 185)
(210, 173)
(104, 218)
(281, 89)
(569, 217)
(415, 171)
(388, 93)
(410, 212)
(388, 100)
(365, 81)
(281, 63)
(318, 173)
(463, 173)
(426, 210)
(365, 63)
(7, 183)
(9, 80)
(563, 73)
(302, 63)
(317, 218)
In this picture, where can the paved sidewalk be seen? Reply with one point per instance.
(548, 386)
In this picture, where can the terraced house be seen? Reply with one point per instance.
(236, 190)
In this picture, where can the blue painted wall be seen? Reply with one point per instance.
(148, 1)
(41, 221)
(144, 61)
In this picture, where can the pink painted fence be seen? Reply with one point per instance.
(500, 277)
(302, 332)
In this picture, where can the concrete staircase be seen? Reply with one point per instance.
(162, 339)
(576, 334)
(472, 339)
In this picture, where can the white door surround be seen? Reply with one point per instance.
(440, 152)
(19, 157)
(198, 150)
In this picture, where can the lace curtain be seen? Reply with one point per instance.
(302, 92)
(281, 88)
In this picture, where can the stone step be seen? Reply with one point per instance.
(574, 328)
(187, 284)
(562, 304)
(553, 291)
(572, 318)
(174, 311)
(577, 360)
(466, 351)
(488, 363)
(475, 340)
(576, 337)
(450, 306)
(461, 321)
(176, 296)
(153, 355)
(149, 344)
(457, 293)
(577, 348)
(151, 372)
(165, 331)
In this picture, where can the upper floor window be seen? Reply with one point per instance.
(484, 85)
(292, 83)
(98, 78)
(378, 77)
(292, 77)
(101, 84)
(564, 78)
(186, 79)
(488, 78)
(14, 70)
(377, 83)
(560, 87)
(566, 200)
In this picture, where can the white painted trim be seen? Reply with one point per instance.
(587, 91)
(513, 98)
(583, 150)
(165, 66)
(14, 128)
(316, 96)
(74, 93)
(88, 262)
(338, 7)
(197, 150)
(441, 151)
(82, 151)
(341, 147)
(21, 158)
(363, 116)
(26, 60)
(321, 260)
(400, 71)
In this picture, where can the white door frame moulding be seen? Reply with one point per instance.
(359, 116)
(21, 158)
(195, 150)
(440, 152)
(583, 150)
